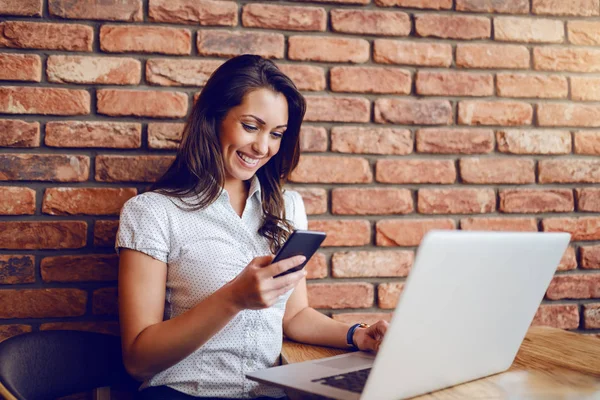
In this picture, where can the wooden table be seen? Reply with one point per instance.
(551, 364)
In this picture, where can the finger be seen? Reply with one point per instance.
(290, 279)
(283, 265)
(262, 261)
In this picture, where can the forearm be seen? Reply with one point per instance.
(311, 327)
(162, 345)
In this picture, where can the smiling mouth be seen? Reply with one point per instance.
(248, 161)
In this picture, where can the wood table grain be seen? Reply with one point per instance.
(551, 364)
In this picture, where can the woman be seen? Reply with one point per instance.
(198, 303)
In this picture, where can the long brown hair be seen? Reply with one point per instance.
(198, 170)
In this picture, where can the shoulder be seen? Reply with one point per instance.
(292, 199)
(148, 202)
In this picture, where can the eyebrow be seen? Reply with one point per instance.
(261, 121)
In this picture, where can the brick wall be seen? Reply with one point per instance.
(456, 114)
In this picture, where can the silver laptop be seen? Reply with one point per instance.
(464, 311)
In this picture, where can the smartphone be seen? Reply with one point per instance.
(300, 243)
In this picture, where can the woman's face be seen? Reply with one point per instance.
(251, 133)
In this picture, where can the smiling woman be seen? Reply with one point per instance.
(199, 303)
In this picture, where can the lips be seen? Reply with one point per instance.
(247, 161)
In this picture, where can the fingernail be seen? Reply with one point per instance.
(302, 259)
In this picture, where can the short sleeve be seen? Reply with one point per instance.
(298, 212)
(143, 226)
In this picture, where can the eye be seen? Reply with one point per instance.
(277, 135)
(249, 128)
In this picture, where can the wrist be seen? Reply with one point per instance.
(229, 300)
(350, 335)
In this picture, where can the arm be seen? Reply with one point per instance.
(304, 324)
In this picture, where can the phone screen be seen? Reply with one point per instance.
(300, 242)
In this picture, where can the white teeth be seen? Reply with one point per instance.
(251, 161)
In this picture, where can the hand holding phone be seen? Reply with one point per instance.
(300, 242)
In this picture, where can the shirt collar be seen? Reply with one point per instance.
(254, 188)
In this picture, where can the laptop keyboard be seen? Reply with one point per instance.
(352, 381)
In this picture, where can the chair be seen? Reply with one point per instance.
(52, 364)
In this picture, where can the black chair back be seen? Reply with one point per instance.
(51, 364)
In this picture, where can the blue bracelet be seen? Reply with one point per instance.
(350, 334)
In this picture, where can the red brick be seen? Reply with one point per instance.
(20, 67)
(370, 80)
(569, 171)
(343, 232)
(43, 235)
(42, 303)
(106, 327)
(175, 72)
(44, 167)
(562, 316)
(452, 83)
(328, 49)
(568, 261)
(93, 134)
(46, 101)
(492, 56)
(17, 200)
(494, 6)
(105, 301)
(454, 141)
(590, 257)
(534, 141)
(367, 264)
(371, 201)
(340, 295)
(194, 12)
(112, 10)
(101, 267)
(568, 114)
(114, 168)
(529, 85)
(316, 267)
(574, 286)
(105, 233)
(142, 103)
(360, 2)
(16, 269)
(270, 16)
(388, 294)
(313, 139)
(85, 201)
(145, 39)
(415, 171)
(494, 113)
(94, 70)
(233, 43)
(559, 7)
(8, 331)
(584, 32)
(588, 199)
(408, 232)
(339, 170)
(387, 51)
(452, 26)
(591, 316)
(164, 135)
(536, 200)
(417, 112)
(582, 228)
(528, 30)
(566, 59)
(315, 199)
(46, 36)
(17, 133)
(369, 22)
(337, 109)
(585, 88)
(497, 170)
(30, 8)
(456, 201)
(433, 4)
(368, 318)
(305, 77)
(368, 140)
(499, 224)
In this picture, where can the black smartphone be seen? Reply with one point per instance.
(300, 243)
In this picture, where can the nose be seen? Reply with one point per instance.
(261, 145)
